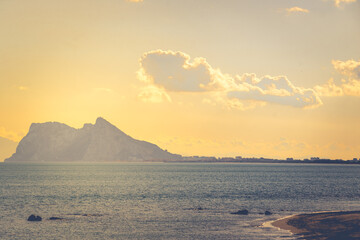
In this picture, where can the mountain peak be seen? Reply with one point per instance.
(56, 142)
(101, 121)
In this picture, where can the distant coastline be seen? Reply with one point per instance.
(212, 160)
(104, 142)
(314, 160)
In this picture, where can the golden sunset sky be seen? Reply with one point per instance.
(244, 78)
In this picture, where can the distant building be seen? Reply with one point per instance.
(227, 159)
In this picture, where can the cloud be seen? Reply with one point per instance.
(329, 89)
(350, 68)
(296, 10)
(350, 85)
(153, 94)
(172, 72)
(277, 90)
(9, 135)
(240, 104)
(338, 2)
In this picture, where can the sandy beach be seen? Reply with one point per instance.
(324, 225)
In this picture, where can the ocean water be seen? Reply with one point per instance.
(162, 200)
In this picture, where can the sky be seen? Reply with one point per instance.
(251, 78)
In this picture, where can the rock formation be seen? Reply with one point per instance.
(33, 218)
(241, 212)
(99, 142)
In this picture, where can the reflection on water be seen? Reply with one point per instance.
(167, 201)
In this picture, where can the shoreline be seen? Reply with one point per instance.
(321, 225)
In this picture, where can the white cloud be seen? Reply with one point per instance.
(9, 135)
(329, 89)
(350, 68)
(350, 85)
(175, 72)
(296, 10)
(277, 90)
(338, 2)
(153, 94)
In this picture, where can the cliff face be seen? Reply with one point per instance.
(99, 142)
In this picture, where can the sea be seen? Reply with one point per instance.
(167, 200)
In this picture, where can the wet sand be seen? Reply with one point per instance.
(324, 225)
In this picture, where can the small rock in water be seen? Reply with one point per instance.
(241, 212)
(33, 218)
(55, 218)
(268, 213)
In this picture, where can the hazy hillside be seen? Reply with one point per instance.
(99, 142)
(7, 147)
